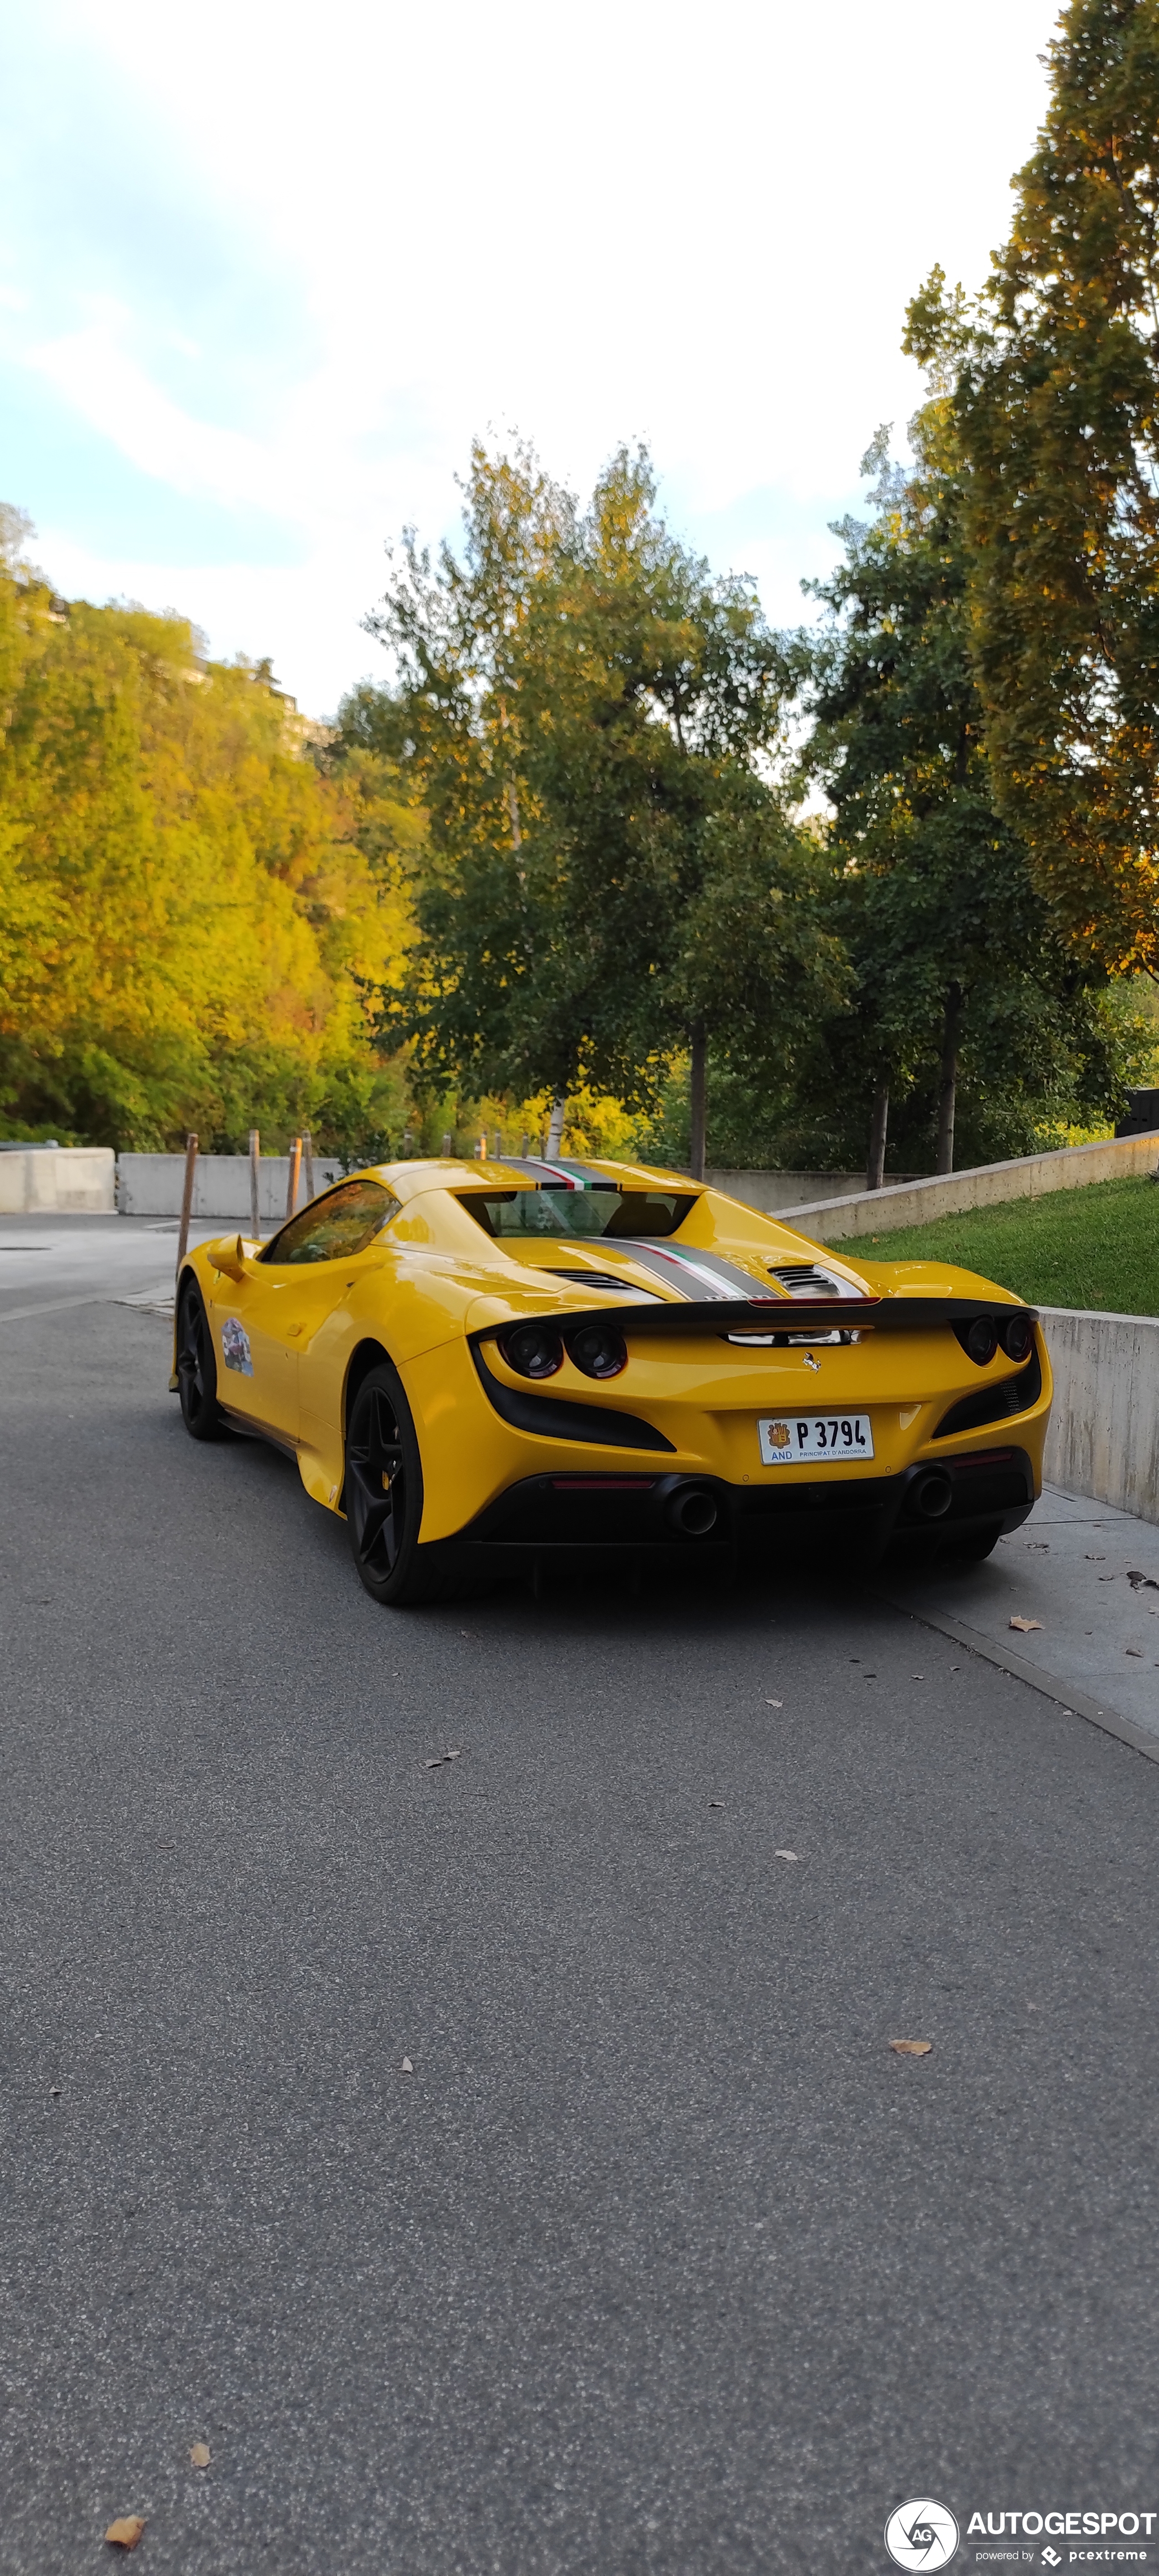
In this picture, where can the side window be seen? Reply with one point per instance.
(345, 1221)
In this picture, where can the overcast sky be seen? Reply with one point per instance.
(264, 271)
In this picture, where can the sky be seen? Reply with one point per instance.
(266, 270)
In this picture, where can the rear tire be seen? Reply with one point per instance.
(197, 1368)
(383, 1494)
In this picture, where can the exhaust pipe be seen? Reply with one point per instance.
(693, 1509)
(932, 1495)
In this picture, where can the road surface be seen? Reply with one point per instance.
(657, 2258)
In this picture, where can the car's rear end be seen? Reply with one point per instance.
(665, 1371)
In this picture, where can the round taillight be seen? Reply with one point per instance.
(981, 1340)
(599, 1350)
(532, 1350)
(1017, 1337)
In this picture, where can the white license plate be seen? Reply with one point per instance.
(819, 1439)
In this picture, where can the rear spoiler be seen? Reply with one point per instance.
(785, 1318)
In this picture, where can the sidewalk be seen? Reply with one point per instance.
(1090, 1575)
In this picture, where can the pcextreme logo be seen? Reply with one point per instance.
(921, 2534)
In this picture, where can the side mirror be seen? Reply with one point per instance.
(228, 1257)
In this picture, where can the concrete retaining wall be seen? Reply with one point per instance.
(151, 1184)
(1104, 1427)
(76, 1179)
(773, 1191)
(919, 1202)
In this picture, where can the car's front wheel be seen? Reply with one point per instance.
(383, 1493)
(197, 1368)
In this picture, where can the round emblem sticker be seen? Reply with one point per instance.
(921, 2534)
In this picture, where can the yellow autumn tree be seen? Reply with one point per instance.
(190, 911)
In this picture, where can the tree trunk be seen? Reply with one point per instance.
(697, 1134)
(555, 1131)
(878, 1131)
(949, 1081)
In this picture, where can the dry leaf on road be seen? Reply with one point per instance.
(1026, 1625)
(199, 2456)
(911, 2047)
(406, 2067)
(785, 1855)
(1133, 1650)
(126, 2531)
(774, 1703)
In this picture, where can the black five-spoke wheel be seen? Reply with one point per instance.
(197, 1368)
(383, 1494)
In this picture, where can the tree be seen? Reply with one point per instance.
(954, 949)
(185, 908)
(584, 705)
(1055, 378)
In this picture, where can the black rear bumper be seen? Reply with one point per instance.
(654, 1514)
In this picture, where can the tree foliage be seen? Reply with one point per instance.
(584, 708)
(957, 955)
(1055, 377)
(185, 903)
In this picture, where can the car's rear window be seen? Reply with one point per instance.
(627, 1214)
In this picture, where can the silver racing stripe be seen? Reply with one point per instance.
(697, 1275)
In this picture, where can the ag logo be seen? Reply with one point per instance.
(921, 2534)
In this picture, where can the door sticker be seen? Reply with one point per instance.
(235, 1347)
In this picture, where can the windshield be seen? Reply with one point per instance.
(586, 1214)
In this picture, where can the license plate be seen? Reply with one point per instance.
(820, 1439)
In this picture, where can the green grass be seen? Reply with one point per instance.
(1092, 1247)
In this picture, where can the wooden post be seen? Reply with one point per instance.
(187, 1199)
(255, 1173)
(697, 1099)
(292, 1177)
(878, 1132)
(308, 1159)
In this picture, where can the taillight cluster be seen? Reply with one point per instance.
(981, 1336)
(538, 1350)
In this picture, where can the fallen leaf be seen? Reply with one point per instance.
(917, 1677)
(1145, 1582)
(911, 2047)
(199, 2456)
(1095, 1560)
(1026, 1625)
(1106, 1578)
(785, 1855)
(126, 2531)
(774, 1703)
(1134, 1650)
(1038, 1546)
(716, 1802)
(406, 2067)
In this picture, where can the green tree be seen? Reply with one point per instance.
(956, 955)
(1055, 376)
(584, 706)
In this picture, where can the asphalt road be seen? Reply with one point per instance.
(660, 2259)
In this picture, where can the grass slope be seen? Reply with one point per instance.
(1093, 1247)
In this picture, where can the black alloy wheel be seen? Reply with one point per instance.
(197, 1368)
(383, 1493)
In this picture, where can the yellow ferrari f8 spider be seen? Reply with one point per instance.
(482, 1366)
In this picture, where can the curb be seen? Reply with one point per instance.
(1074, 1703)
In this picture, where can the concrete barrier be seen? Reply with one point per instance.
(151, 1185)
(1104, 1426)
(773, 1191)
(75, 1180)
(987, 1185)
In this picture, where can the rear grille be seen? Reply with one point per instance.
(993, 1403)
(804, 1279)
(590, 1278)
